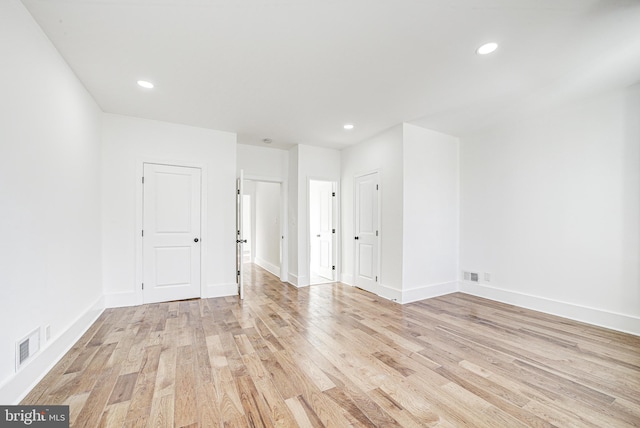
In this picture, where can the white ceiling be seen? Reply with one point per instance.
(295, 71)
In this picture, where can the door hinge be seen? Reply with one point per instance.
(238, 273)
(142, 180)
(376, 187)
(143, 233)
(143, 285)
(376, 233)
(333, 194)
(238, 191)
(376, 279)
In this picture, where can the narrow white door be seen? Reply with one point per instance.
(325, 234)
(321, 231)
(240, 241)
(171, 233)
(366, 232)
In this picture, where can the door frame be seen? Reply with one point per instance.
(139, 221)
(335, 251)
(284, 220)
(378, 286)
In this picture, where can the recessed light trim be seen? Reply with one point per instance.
(348, 126)
(487, 48)
(267, 140)
(145, 84)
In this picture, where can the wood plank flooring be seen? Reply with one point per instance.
(336, 356)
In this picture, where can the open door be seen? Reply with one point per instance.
(240, 241)
(322, 231)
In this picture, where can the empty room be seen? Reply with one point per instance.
(320, 213)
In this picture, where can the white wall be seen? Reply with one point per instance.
(127, 142)
(550, 207)
(430, 213)
(383, 153)
(267, 217)
(262, 162)
(313, 163)
(292, 216)
(50, 270)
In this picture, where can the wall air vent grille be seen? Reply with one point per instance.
(24, 351)
(27, 347)
(470, 276)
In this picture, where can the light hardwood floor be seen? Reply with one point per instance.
(333, 355)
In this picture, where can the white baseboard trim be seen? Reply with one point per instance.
(121, 300)
(429, 291)
(293, 279)
(270, 267)
(284, 277)
(298, 281)
(418, 293)
(220, 290)
(620, 322)
(346, 278)
(304, 281)
(14, 389)
(390, 293)
(130, 298)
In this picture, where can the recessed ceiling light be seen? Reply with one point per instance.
(145, 84)
(348, 126)
(487, 48)
(267, 140)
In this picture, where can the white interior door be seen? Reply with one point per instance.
(171, 233)
(366, 232)
(325, 234)
(321, 231)
(240, 241)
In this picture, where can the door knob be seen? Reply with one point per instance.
(196, 240)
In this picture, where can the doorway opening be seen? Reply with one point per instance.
(247, 228)
(262, 225)
(322, 231)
